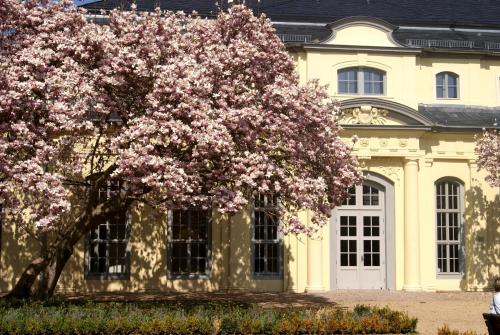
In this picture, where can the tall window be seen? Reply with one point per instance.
(189, 243)
(266, 241)
(448, 225)
(362, 80)
(447, 85)
(108, 244)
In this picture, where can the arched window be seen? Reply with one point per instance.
(447, 85)
(449, 225)
(361, 80)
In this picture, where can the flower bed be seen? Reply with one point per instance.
(195, 318)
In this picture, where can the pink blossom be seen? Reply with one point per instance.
(185, 111)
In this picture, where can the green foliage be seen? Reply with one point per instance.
(200, 317)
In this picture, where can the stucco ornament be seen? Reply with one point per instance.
(365, 115)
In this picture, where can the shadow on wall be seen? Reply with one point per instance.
(17, 250)
(482, 239)
(231, 255)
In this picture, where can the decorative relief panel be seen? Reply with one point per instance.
(365, 115)
(401, 146)
(392, 168)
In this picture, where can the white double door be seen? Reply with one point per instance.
(360, 240)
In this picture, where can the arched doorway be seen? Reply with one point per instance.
(363, 237)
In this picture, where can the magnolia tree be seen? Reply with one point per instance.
(488, 150)
(181, 111)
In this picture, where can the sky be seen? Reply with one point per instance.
(83, 2)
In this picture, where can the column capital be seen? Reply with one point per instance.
(472, 163)
(411, 160)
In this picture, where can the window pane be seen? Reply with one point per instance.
(266, 241)
(344, 260)
(452, 92)
(352, 260)
(373, 81)
(189, 251)
(378, 88)
(452, 80)
(440, 91)
(352, 87)
(348, 81)
(440, 79)
(107, 244)
(448, 223)
(343, 87)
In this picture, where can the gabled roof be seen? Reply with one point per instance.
(481, 13)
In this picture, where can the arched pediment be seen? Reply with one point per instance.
(362, 31)
(380, 112)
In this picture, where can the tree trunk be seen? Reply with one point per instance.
(56, 267)
(24, 285)
(60, 251)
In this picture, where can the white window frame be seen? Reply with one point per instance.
(447, 242)
(170, 241)
(360, 80)
(446, 93)
(278, 241)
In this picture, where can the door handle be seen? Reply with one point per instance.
(362, 258)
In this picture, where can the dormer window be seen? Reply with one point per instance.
(361, 80)
(447, 85)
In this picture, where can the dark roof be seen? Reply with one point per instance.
(419, 12)
(448, 39)
(460, 116)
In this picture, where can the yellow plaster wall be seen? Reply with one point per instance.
(410, 81)
(440, 155)
(17, 250)
(410, 78)
(367, 35)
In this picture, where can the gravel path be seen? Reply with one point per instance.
(460, 310)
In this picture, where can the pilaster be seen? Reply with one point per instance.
(412, 228)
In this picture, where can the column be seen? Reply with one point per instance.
(314, 263)
(412, 235)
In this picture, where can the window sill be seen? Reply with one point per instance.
(107, 277)
(452, 99)
(449, 276)
(268, 277)
(189, 277)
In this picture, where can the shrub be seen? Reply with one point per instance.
(445, 330)
(56, 317)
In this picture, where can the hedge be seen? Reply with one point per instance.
(195, 318)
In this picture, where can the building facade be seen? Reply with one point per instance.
(415, 93)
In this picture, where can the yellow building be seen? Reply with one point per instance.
(415, 93)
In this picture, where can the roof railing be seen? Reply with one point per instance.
(492, 45)
(286, 38)
(421, 43)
